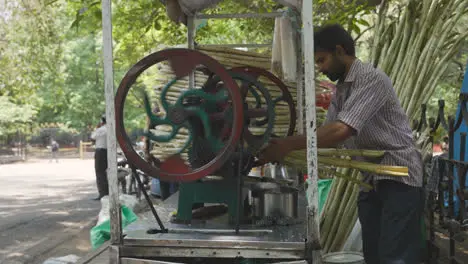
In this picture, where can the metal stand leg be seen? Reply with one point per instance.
(114, 255)
(161, 229)
(239, 184)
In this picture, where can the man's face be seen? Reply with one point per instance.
(330, 65)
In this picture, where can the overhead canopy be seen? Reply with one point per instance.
(178, 10)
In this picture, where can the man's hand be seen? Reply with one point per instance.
(328, 136)
(276, 151)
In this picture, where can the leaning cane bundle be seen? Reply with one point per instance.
(340, 211)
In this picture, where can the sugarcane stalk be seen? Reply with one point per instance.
(440, 69)
(331, 207)
(397, 171)
(348, 178)
(226, 58)
(343, 226)
(333, 190)
(405, 66)
(419, 40)
(346, 202)
(182, 85)
(340, 152)
(432, 47)
(296, 156)
(423, 62)
(240, 62)
(386, 44)
(375, 53)
(349, 228)
(334, 214)
(395, 43)
(402, 52)
(338, 216)
(350, 152)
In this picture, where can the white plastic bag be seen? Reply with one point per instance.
(354, 241)
(128, 200)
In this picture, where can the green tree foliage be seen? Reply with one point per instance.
(52, 50)
(14, 116)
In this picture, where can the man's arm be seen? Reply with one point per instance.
(98, 132)
(329, 135)
(93, 135)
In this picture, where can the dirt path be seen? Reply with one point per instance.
(43, 206)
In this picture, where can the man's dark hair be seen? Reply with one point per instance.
(103, 119)
(330, 36)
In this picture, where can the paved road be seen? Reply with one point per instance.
(43, 205)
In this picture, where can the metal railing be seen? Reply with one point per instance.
(451, 177)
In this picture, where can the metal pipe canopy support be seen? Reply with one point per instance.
(191, 45)
(115, 216)
(313, 253)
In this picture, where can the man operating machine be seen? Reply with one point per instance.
(365, 113)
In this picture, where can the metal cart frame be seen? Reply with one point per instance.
(311, 246)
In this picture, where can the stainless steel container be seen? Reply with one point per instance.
(269, 199)
(282, 173)
(278, 204)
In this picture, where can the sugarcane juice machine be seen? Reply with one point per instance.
(213, 164)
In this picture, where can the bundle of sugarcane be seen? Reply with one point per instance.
(162, 150)
(298, 159)
(416, 48)
(229, 58)
(340, 212)
(342, 198)
(235, 58)
(165, 75)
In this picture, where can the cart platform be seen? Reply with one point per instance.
(212, 238)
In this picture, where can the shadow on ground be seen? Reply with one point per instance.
(41, 217)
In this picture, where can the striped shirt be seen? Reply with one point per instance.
(367, 102)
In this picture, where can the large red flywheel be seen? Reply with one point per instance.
(194, 106)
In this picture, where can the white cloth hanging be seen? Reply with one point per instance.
(284, 52)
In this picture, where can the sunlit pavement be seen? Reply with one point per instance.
(42, 205)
